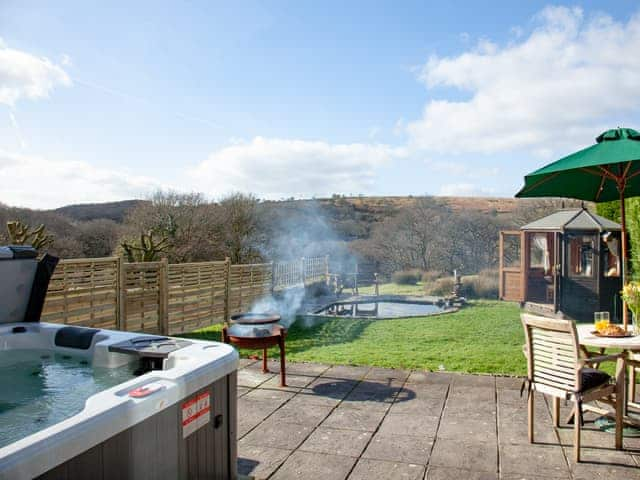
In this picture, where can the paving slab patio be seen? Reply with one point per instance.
(341, 422)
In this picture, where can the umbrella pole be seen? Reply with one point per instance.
(623, 244)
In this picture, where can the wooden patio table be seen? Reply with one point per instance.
(628, 345)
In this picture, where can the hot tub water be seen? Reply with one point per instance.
(39, 388)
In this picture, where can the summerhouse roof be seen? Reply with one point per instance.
(574, 219)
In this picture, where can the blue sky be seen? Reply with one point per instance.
(104, 101)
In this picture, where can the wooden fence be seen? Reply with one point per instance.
(162, 298)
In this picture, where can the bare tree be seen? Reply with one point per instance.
(238, 227)
(99, 238)
(187, 220)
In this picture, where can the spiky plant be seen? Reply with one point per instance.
(146, 249)
(22, 234)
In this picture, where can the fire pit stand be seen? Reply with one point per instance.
(256, 330)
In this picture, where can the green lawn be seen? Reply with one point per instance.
(485, 337)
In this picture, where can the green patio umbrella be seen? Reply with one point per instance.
(608, 170)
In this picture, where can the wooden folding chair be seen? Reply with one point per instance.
(554, 368)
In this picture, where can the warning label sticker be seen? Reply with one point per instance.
(196, 413)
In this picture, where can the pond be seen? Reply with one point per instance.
(382, 309)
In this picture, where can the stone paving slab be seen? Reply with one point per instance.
(407, 424)
(336, 442)
(460, 379)
(260, 462)
(603, 464)
(268, 395)
(386, 374)
(339, 422)
(466, 455)
(527, 459)
(367, 469)
(473, 430)
(276, 434)
(428, 378)
(251, 378)
(315, 466)
(295, 383)
(425, 390)
(351, 418)
(419, 406)
(311, 415)
(346, 372)
(513, 383)
(444, 473)
(399, 448)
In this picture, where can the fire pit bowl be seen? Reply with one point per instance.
(258, 330)
(255, 318)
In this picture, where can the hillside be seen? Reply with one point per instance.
(83, 212)
(398, 232)
(368, 209)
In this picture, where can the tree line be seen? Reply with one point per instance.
(425, 233)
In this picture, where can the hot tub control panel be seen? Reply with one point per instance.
(149, 346)
(150, 349)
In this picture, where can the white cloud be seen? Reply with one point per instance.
(276, 168)
(464, 190)
(26, 76)
(66, 60)
(37, 182)
(556, 87)
(463, 170)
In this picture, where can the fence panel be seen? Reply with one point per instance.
(315, 270)
(83, 292)
(167, 299)
(247, 284)
(142, 297)
(288, 274)
(196, 295)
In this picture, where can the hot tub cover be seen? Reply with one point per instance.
(23, 283)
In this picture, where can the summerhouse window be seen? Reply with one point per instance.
(580, 255)
(539, 254)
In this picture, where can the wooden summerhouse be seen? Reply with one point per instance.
(564, 265)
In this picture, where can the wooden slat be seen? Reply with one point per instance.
(553, 380)
(554, 347)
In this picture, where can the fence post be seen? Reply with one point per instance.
(375, 277)
(122, 294)
(326, 269)
(227, 281)
(355, 279)
(273, 277)
(118, 293)
(163, 297)
(302, 272)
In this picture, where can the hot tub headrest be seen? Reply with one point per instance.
(12, 252)
(75, 337)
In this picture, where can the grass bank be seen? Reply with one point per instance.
(485, 337)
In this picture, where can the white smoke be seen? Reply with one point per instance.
(287, 304)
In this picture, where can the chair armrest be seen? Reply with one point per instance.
(599, 359)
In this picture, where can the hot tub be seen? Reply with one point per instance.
(101, 404)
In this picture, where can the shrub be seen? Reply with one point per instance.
(442, 287)
(430, 276)
(482, 285)
(406, 277)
